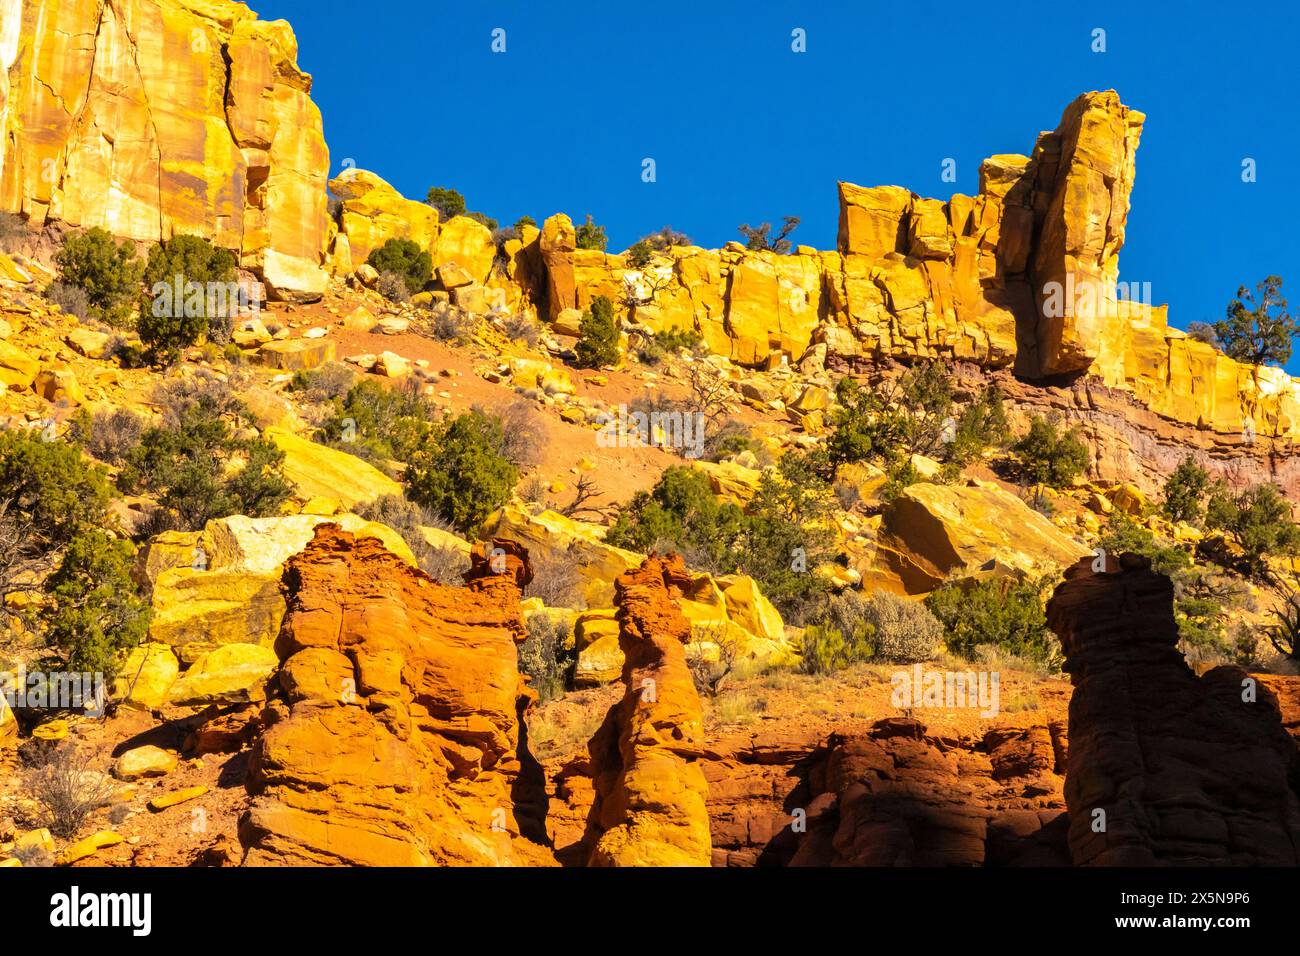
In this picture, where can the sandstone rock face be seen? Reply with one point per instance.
(649, 807)
(896, 797)
(223, 586)
(1166, 768)
(374, 212)
(153, 118)
(930, 531)
(397, 738)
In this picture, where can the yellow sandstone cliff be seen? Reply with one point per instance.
(152, 118)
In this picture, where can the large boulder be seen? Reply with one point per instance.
(317, 471)
(231, 674)
(930, 532)
(145, 676)
(374, 212)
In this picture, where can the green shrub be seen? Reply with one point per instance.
(904, 632)
(826, 650)
(460, 472)
(449, 202)
(1002, 612)
(1259, 331)
(405, 258)
(379, 423)
(681, 513)
(484, 218)
(204, 275)
(95, 610)
(545, 656)
(591, 236)
(107, 272)
(598, 335)
(1260, 520)
(1050, 458)
(1122, 534)
(639, 255)
(50, 481)
(1184, 491)
(189, 465)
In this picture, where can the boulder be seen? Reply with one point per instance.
(145, 675)
(59, 386)
(373, 212)
(17, 368)
(146, 761)
(297, 355)
(930, 532)
(231, 674)
(88, 342)
(317, 471)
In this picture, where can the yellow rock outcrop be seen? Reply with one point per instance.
(153, 118)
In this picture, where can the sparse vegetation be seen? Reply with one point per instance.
(443, 563)
(378, 423)
(598, 335)
(108, 435)
(588, 235)
(392, 286)
(1257, 328)
(759, 238)
(459, 471)
(66, 791)
(404, 258)
(186, 296)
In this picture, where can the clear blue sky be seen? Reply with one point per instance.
(742, 129)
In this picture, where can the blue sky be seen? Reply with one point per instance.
(742, 129)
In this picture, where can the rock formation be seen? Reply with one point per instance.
(398, 739)
(649, 807)
(1166, 767)
(153, 118)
